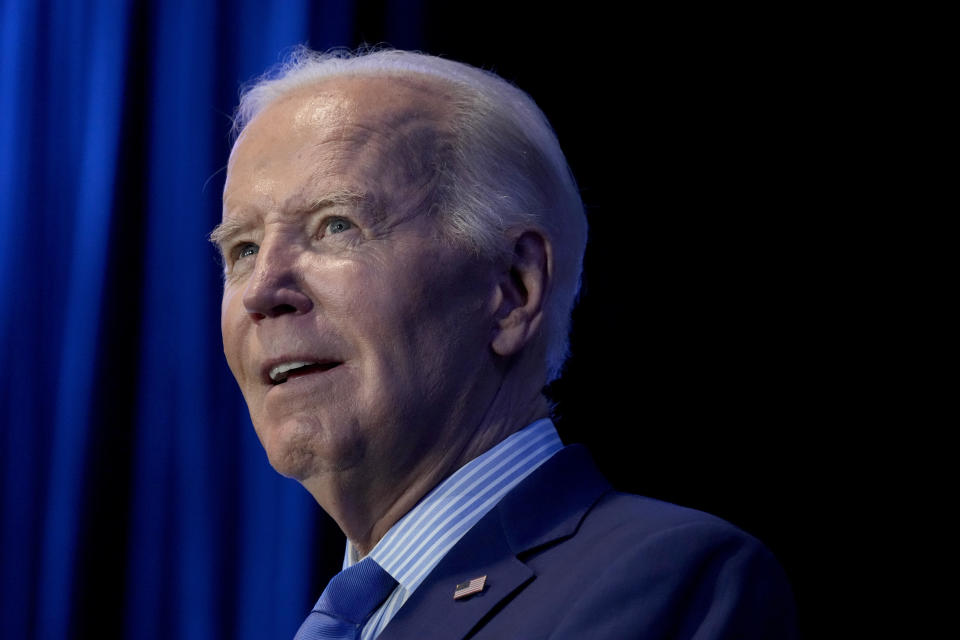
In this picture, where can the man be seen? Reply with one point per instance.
(402, 242)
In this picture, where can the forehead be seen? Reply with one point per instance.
(381, 101)
(390, 129)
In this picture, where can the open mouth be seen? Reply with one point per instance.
(283, 372)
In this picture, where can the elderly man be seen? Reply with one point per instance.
(402, 241)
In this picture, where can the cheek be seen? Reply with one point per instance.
(232, 316)
(438, 337)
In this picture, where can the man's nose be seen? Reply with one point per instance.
(275, 287)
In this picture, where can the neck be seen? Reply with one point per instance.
(366, 503)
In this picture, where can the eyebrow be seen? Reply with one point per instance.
(226, 230)
(230, 228)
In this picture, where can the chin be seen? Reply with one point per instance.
(301, 449)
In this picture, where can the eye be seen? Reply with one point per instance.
(246, 249)
(338, 225)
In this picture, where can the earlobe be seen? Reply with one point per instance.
(522, 293)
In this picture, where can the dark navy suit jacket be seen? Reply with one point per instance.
(566, 557)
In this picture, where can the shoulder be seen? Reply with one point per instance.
(634, 563)
(569, 498)
(624, 521)
(674, 571)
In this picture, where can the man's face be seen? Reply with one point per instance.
(335, 262)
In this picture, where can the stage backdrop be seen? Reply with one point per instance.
(135, 499)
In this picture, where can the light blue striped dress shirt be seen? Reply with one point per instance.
(420, 539)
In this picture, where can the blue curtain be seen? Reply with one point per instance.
(126, 453)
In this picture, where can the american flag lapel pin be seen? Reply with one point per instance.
(470, 587)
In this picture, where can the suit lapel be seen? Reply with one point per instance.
(431, 612)
(545, 507)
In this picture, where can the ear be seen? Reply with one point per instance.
(522, 292)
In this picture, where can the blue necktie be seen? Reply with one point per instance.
(349, 599)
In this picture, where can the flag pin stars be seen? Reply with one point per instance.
(470, 587)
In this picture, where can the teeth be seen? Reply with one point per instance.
(279, 372)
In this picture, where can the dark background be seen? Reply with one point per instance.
(709, 364)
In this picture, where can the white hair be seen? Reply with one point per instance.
(503, 171)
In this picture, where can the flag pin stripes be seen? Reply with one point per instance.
(470, 587)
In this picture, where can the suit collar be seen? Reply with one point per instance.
(550, 504)
(544, 508)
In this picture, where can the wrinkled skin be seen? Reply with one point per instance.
(333, 256)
